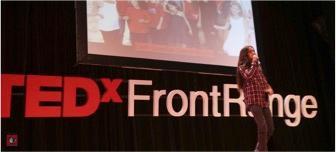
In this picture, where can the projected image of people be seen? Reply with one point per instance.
(203, 32)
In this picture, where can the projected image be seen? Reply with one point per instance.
(202, 32)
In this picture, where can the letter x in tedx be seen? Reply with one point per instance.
(111, 90)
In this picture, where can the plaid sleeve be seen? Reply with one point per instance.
(247, 73)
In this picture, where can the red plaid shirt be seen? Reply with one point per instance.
(254, 85)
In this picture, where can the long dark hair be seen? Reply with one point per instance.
(243, 61)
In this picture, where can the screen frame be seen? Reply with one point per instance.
(83, 57)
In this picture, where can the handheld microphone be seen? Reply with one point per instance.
(257, 58)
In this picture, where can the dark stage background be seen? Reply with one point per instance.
(298, 58)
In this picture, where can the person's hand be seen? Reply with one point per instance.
(180, 13)
(255, 58)
(269, 90)
(125, 17)
(141, 20)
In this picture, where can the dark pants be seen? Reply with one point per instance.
(264, 121)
